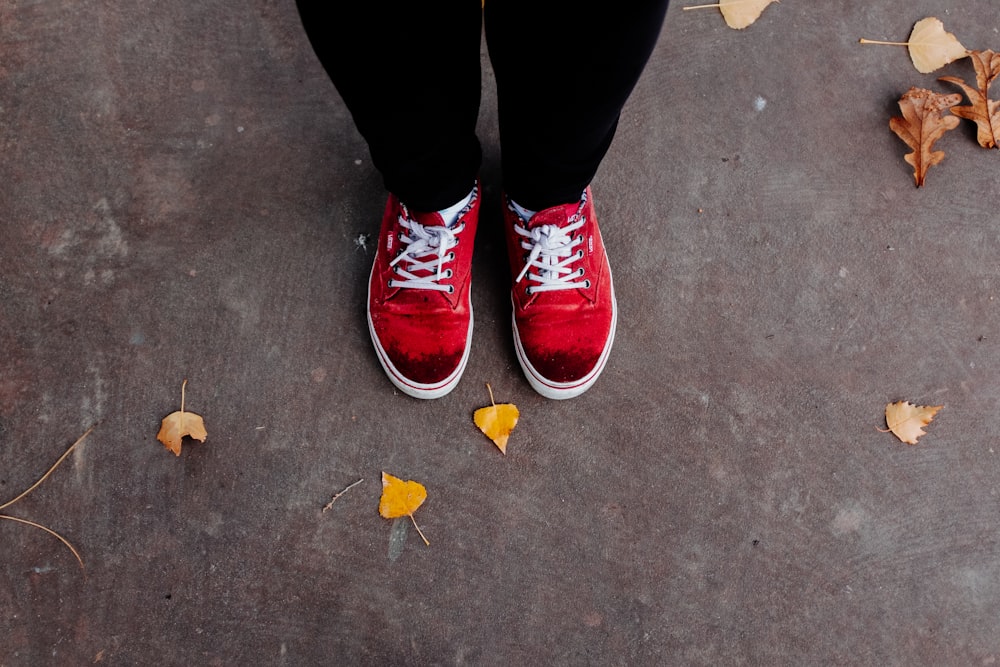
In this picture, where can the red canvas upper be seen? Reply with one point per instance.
(563, 336)
(419, 307)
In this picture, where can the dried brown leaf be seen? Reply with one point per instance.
(178, 424)
(906, 420)
(983, 111)
(923, 122)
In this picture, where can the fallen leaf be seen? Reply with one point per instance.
(738, 13)
(984, 111)
(923, 122)
(930, 46)
(401, 498)
(497, 421)
(906, 420)
(178, 424)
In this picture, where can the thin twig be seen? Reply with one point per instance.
(342, 492)
(47, 530)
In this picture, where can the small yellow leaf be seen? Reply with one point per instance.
(906, 420)
(400, 498)
(497, 421)
(178, 424)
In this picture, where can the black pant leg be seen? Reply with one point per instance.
(564, 71)
(409, 74)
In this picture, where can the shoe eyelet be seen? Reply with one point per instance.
(582, 271)
(527, 291)
(579, 253)
(448, 273)
(586, 283)
(451, 256)
(451, 289)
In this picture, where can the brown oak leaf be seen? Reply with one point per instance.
(923, 122)
(984, 111)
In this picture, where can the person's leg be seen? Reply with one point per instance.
(409, 74)
(562, 80)
(563, 76)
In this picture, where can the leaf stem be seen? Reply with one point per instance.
(700, 6)
(426, 543)
(49, 531)
(183, 384)
(875, 41)
(50, 471)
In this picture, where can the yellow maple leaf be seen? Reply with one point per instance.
(906, 420)
(497, 421)
(178, 424)
(401, 498)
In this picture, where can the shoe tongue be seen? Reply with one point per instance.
(432, 219)
(557, 216)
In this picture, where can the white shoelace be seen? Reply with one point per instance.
(551, 252)
(426, 251)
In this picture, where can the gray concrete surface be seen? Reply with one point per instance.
(182, 196)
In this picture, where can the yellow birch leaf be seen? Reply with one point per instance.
(738, 13)
(497, 421)
(930, 46)
(906, 420)
(178, 424)
(741, 13)
(401, 498)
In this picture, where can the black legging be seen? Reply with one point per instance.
(409, 73)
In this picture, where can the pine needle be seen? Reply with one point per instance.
(47, 530)
(50, 471)
(34, 486)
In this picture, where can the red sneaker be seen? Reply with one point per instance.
(419, 308)
(563, 297)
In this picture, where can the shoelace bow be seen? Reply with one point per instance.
(426, 250)
(550, 252)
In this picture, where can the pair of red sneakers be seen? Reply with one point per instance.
(420, 311)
